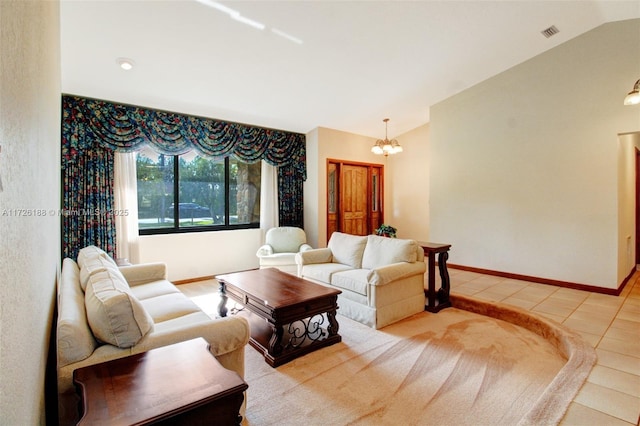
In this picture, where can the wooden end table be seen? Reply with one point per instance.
(287, 314)
(179, 384)
(439, 300)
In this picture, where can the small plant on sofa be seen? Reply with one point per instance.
(386, 231)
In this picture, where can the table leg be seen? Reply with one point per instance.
(333, 326)
(431, 290)
(222, 305)
(437, 299)
(443, 293)
(275, 343)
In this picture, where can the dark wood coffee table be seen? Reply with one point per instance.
(179, 384)
(289, 316)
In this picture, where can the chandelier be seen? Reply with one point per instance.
(386, 146)
(633, 98)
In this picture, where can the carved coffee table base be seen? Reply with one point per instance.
(289, 316)
(281, 344)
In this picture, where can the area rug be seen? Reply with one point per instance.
(478, 363)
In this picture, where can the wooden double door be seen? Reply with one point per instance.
(354, 197)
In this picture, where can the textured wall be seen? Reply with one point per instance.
(29, 224)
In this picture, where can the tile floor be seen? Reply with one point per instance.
(611, 324)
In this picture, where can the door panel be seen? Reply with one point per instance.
(354, 200)
(375, 214)
(332, 198)
(354, 197)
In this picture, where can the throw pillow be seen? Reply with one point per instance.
(347, 249)
(382, 251)
(114, 314)
(89, 252)
(93, 264)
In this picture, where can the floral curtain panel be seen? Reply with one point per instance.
(87, 199)
(92, 129)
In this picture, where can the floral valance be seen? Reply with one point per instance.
(129, 128)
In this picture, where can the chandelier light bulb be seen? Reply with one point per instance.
(633, 98)
(386, 146)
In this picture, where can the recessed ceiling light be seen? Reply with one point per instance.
(125, 63)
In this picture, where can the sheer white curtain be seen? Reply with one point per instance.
(268, 197)
(125, 194)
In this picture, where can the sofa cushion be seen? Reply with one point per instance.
(353, 280)
(347, 249)
(278, 259)
(322, 271)
(381, 251)
(114, 314)
(169, 306)
(153, 289)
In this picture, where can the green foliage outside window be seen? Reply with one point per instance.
(205, 197)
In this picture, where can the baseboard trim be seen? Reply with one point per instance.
(557, 283)
(204, 278)
(193, 280)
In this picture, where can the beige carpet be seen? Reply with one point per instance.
(479, 363)
(452, 368)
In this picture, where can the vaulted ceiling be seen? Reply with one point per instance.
(298, 65)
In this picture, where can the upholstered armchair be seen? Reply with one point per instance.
(280, 248)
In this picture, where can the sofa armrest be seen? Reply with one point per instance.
(265, 250)
(395, 271)
(223, 334)
(226, 336)
(144, 273)
(305, 247)
(308, 257)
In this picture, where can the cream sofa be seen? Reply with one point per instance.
(107, 312)
(381, 279)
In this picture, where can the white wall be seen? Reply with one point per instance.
(628, 144)
(407, 182)
(203, 254)
(30, 173)
(524, 166)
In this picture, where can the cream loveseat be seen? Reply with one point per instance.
(107, 312)
(381, 279)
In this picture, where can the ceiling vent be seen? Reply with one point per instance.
(551, 31)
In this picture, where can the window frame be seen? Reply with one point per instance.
(176, 229)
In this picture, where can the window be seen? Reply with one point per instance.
(192, 193)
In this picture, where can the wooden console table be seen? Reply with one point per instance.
(440, 299)
(179, 384)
